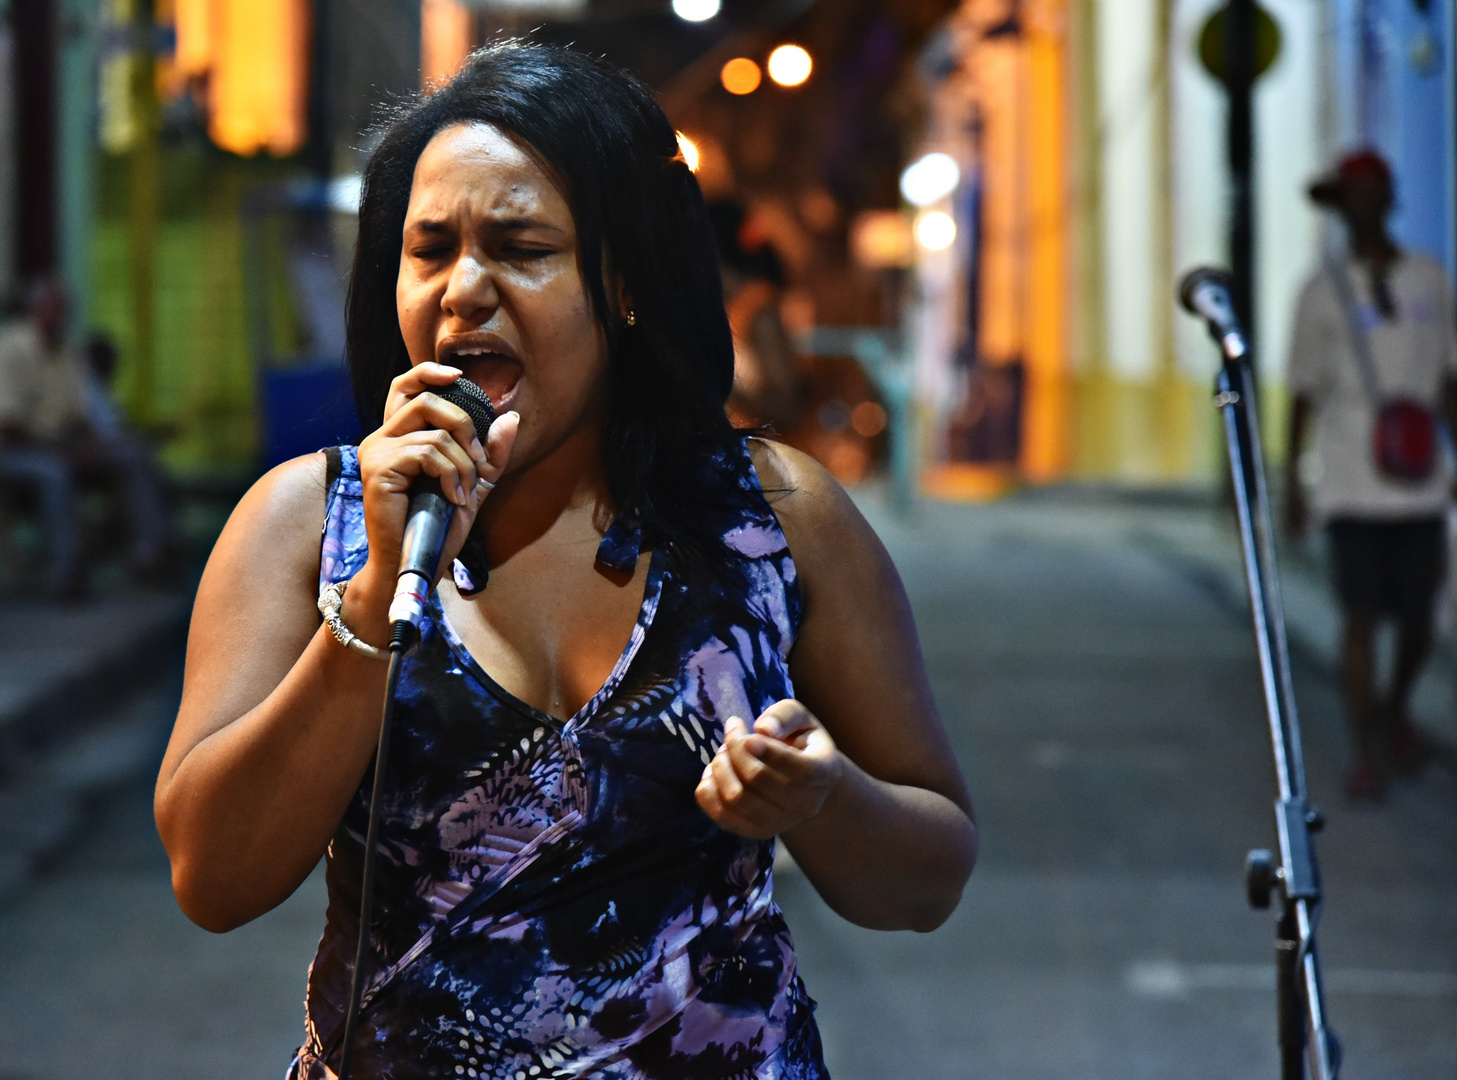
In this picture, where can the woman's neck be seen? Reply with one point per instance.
(570, 480)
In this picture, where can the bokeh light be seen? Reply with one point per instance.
(695, 10)
(868, 419)
(789, 65)
(881, 240)
(689, 149)
(930, 178)
(741, 76)
(935, 230)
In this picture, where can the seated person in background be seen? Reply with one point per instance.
(41, 418)
(124, 457)
(51, 432)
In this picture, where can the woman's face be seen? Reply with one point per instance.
(490, 282)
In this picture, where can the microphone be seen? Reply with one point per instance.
(1204, 291)
(427, 522)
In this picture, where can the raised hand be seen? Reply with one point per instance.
(769, 778)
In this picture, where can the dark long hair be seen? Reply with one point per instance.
(635, 203)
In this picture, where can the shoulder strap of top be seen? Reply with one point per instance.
(333, 468)
(345, 543)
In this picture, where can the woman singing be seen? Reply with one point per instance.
(662, 645)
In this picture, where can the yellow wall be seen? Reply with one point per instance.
(1021, 90)
(1047, 443)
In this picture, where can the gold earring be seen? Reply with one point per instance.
(631, 317)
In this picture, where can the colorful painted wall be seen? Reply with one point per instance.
(1092, 146)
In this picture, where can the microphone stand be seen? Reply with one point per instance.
(1296, 878)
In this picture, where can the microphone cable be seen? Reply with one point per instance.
(424, 534)
(401, 633)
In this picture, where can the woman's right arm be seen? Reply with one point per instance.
(279, 721)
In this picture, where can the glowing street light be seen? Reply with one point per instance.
(689, 149)
(695, 10)
(930, 178)
(935, 230)
(740, 76)
(789, 65)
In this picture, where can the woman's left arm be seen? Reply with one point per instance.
(856, 774)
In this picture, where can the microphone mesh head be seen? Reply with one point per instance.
(466, 395)
(1196, 277)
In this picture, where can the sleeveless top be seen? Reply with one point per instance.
(550, 900)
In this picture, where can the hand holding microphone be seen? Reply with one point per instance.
(429, 518)
(425, 472)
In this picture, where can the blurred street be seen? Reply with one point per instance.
(1091, 658)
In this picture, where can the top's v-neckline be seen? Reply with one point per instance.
(647, 610)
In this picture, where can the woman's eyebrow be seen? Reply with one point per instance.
(524, 223)
(505, 224)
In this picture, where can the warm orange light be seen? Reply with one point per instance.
(789, 65)
(446, 30)
(868, 419)
(741, 76)
(259, 87)
(196, 46)
(882, 240)
(689, 149)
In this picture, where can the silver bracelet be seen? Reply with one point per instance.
(331, 599)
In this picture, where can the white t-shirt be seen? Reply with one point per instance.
(1413, 354)
(40, 391)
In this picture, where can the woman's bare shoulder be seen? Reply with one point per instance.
(796, 484)
(281, 516)
(823, 526)
(290, 495)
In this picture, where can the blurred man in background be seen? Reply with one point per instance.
(1372, 358)
(41, 418)
(56, 430)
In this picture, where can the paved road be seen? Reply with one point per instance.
(1104, 703)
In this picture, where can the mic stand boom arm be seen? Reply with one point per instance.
(1296, 878)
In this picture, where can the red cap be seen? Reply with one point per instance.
(1364, 165)
(1354, 167)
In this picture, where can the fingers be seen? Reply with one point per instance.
(787, 721)
(414, 409)
(722, 796)
(725, 816)
(416, 381)
(429, 412)
(437, 453)
(499, 441)
(757, 785)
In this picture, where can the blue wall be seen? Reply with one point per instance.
(1393, 79)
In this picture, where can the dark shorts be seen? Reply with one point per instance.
(1389, 567)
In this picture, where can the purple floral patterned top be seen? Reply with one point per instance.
(551, 902)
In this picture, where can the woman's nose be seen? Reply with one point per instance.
(470, 294)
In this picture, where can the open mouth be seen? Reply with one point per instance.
(497, 375)
(488, 360)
